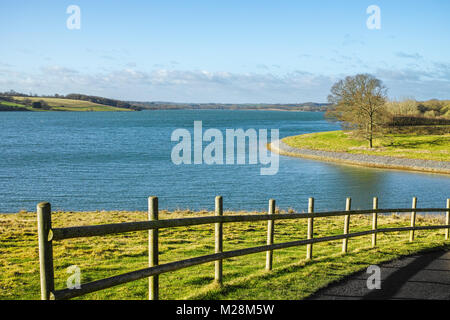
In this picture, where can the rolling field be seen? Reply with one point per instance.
(58, 104)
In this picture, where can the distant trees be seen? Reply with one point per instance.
(101, 100)
(36, 105)
(11, 93)
(359, 102)
(412, 108)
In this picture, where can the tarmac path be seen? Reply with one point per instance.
(422, 276)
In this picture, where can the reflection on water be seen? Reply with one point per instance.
(95, 161)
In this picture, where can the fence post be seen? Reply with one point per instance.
(153, 251)
(270, 229)
(218, 240)
(374, 222)
(309, 247)
(44, 217)
(413, 219)
(447, 220)
(348, 205)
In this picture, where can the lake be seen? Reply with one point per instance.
(114, 161)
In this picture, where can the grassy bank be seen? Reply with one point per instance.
(426, 147)
(244, 277)
(57, 104)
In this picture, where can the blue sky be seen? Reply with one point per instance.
(223, 51)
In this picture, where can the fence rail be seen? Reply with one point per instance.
(47, 235)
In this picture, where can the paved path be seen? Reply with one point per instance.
(425, 276)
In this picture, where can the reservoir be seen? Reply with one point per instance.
(82, 161)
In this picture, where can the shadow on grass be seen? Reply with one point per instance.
(216, 292)
(419, 144)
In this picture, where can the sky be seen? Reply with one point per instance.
(228, 51)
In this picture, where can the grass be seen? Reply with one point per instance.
(11, 104)
(16, 105)
(58, 104)
(244, 277)
(426, 147)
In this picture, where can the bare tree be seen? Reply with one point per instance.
(359, 101)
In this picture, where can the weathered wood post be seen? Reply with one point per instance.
(270, 230)
(309, 247)
(374, 222)
(218, 264)
(44, 219)
(447, 220)
(413, 219)
(348, 205)
(153, 251)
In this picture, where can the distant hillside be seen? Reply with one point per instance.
(20, 102)
(54, 104)
(103, 101)
(14, 101)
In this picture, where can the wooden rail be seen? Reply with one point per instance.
(47, 235)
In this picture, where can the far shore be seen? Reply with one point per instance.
(76, 102)
(229, 109)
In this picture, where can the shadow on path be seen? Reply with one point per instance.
(393, 283)
(422, 276)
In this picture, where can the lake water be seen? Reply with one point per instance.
(114, 161)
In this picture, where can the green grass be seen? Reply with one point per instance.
(11, 104)
(17, 105)
(427, 147)
(244, 277)
(58, 104)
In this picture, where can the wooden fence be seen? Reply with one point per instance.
(47, 235)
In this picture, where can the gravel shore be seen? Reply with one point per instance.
(363, 159)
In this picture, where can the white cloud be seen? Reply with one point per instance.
(58, 71)
(417, 83)
(405, 55)
(131, 83)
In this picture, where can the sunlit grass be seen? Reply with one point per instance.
(244, 277)
(71, 104)
(427, 147)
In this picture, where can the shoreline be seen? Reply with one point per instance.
(163, 109)
(373, 161)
